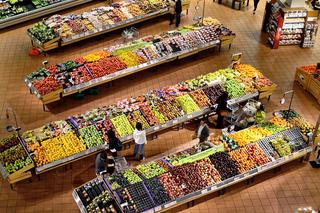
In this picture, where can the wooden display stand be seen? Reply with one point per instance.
(21, 174)
(303, 78)
(266, 92)
(314, 88)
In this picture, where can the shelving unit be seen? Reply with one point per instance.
(289, 26)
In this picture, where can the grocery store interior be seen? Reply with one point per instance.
(290, 184)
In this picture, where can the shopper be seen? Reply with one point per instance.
(172, 6)
(100, 163)
(222, 110)
(114, 143)
(202, 132)
(260, 114)
(255, 5)
(140, 139)
(178, 10)
(110, 162)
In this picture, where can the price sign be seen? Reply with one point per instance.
(204, 191)
(214, 187)
(158, 208)
(156, 128)
(236, 178)
(170, 204)
(164, 125)
(189, 116)
(175, 121)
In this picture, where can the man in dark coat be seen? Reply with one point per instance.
(202, 132)
(178, 12)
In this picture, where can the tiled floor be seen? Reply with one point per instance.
(297, 185)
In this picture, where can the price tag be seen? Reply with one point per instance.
(156, 127)
(245, 174)
(236, 178)
(204, 191)
(189, 116)
(164, 125)
(175, 121)
(158, 208)
(286, 158)
(170, 204)
(29, 85)
(214, 187)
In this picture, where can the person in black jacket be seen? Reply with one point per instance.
(114, 143)
(100, 163)
(202, 132)
(178, 12)
(110, 163)
(222, 109)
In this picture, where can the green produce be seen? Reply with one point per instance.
(234, 88)
(122, 125)
(91, 136)
(151, 170)
(42, 32)
(162, 119)
(187, 104)
(131, 176)
(281, 146)
(272, 127)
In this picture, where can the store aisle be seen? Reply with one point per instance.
(296, 185)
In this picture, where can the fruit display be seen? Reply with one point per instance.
(136, 198)
(234, 88)
(12, 155)
(116, 58)
(150, 114)
(91, 136)
(305, 127)
(248, 70)
(280, 144)
(47, 85)
(95, 195)
(256, 154)
(169, 184)
(174, 158)
(281, 122)
(242, 158)
(170, 110)
(213, 92)
(208, 173)
(135, 117)
(57, 148)
(226, 167)
(157, 191)
(250, 135)
(200, 98)
(122, 125)
(272, 127)
(187, 178)
(123, 179)
(187, 104)
(311, 69)
(150, 170)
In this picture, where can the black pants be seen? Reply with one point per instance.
(255, 4)
(178, 17)
(171, 18)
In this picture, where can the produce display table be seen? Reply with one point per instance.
(57, 31)
(15, 162)
(58, 143)
(38, 12)
(51, 83)
(187, 175)
(308, 78)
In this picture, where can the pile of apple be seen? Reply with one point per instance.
(200, 98)
(242, 158)
(172, 188)
(170, 110)
(207, 172)
(187, 104)
(150, 170)
(135, 117)
(149, 114)
(91, 136)
(122, 125)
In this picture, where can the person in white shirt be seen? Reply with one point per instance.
(140, 139)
